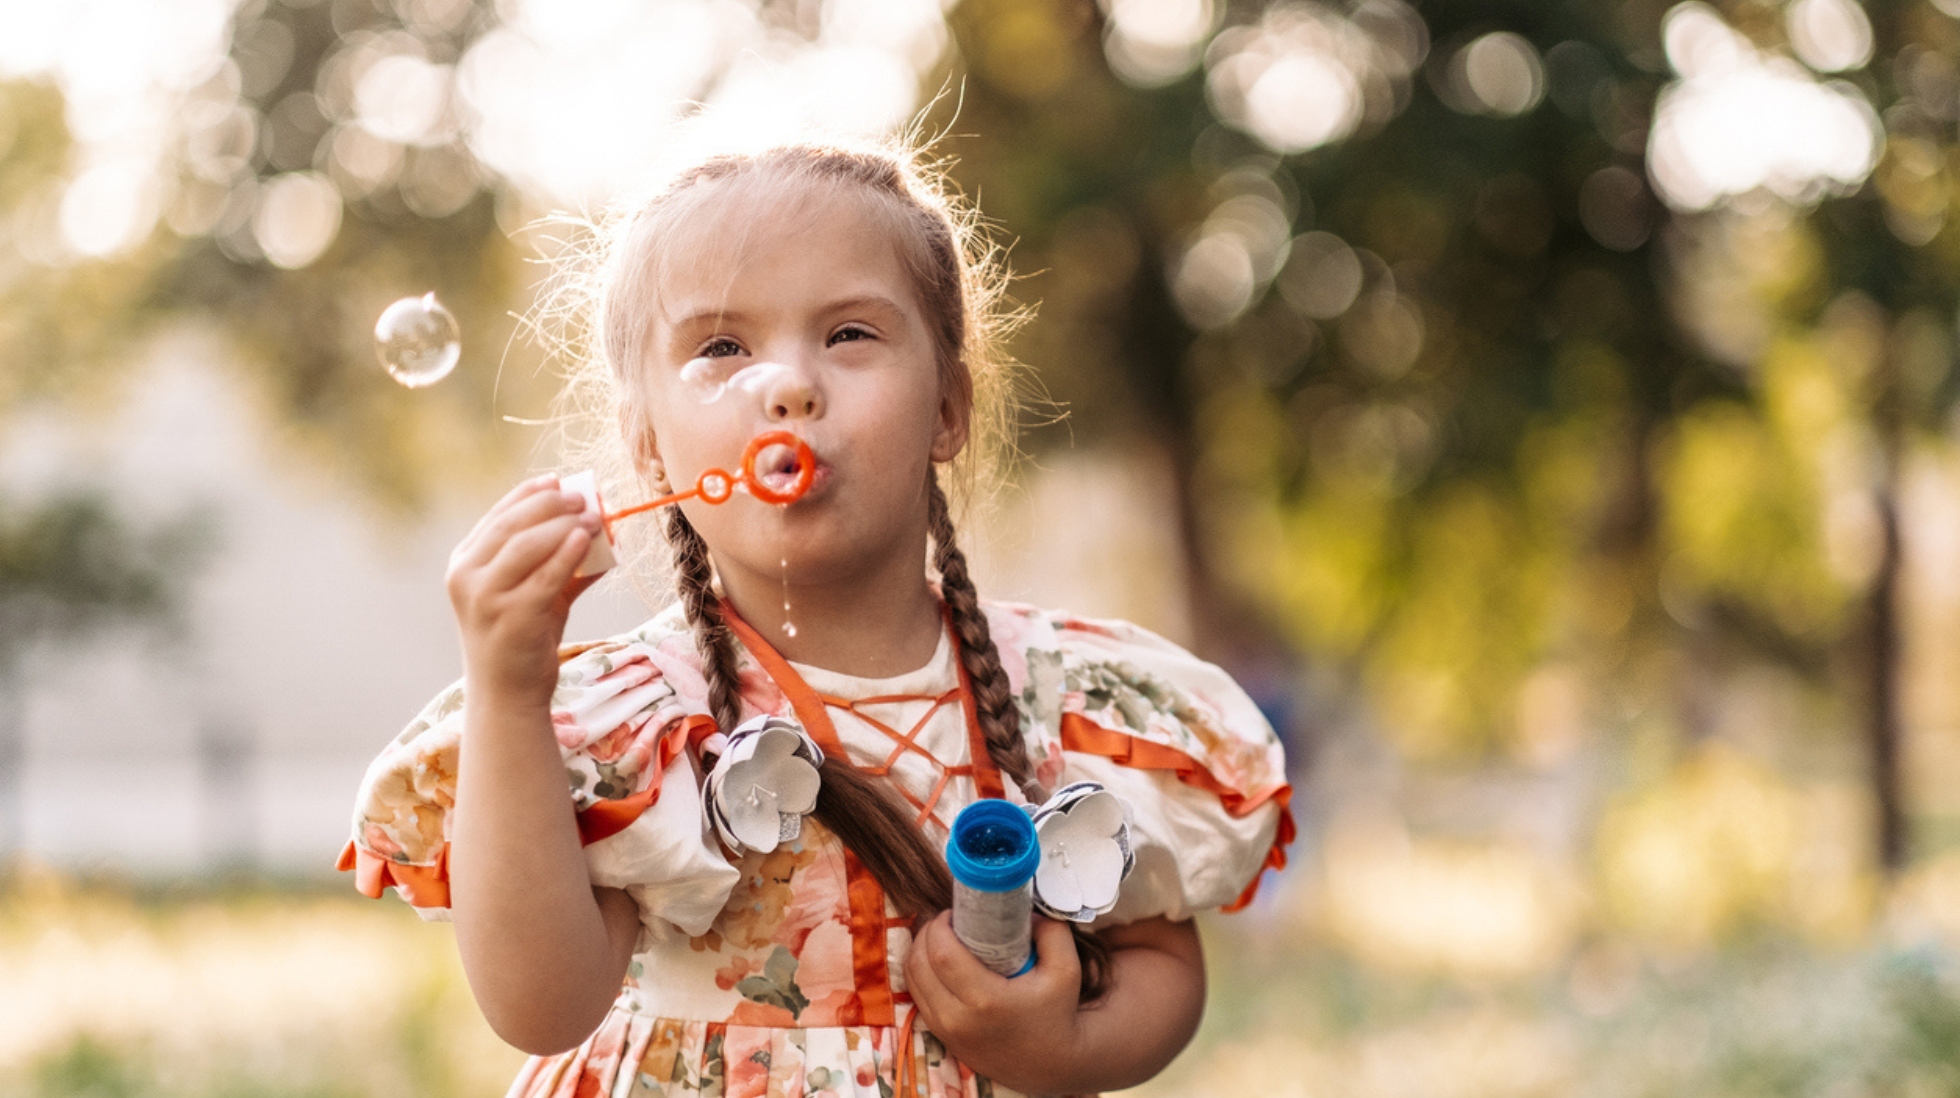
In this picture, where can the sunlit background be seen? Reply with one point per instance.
(1547, 409)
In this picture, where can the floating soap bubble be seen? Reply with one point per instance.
(752, 380)
(702, 379)
(418, 341)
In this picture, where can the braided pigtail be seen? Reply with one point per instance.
(1000, 720)
(694, 575)
(857, 808)
(993, 699)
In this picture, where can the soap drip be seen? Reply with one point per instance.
(789, 627)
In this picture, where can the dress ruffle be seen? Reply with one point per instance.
(635, 1055)
(1108, 701)
(621, 720)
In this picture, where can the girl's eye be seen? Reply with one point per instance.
(721, 347)
(850, 333)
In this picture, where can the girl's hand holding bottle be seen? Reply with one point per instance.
(1022, 1031)
(1032, 1032)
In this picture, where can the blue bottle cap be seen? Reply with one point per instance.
(993, 847)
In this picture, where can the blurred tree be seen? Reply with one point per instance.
(1395, 376)
(1889, 246)
(1444, 388)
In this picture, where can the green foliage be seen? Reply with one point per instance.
(71, 564)
(88, 1068)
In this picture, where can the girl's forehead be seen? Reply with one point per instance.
(738, 241)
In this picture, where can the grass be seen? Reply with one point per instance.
(113, 992)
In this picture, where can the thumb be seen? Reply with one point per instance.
(574, 587)
(580, 584)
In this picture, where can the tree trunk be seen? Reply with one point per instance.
(1882, 671)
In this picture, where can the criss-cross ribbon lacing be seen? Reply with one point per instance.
(812, 709)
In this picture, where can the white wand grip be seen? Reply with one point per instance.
(599, 555)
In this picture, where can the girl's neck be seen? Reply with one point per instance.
(873, 626)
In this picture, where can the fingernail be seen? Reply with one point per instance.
(573, 500)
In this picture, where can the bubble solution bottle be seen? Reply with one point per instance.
(993, 855)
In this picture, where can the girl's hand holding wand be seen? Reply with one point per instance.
(1031, 1032)
(545, 951)
(510, 582)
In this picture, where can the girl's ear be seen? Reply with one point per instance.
(640, 443)
(955, 420)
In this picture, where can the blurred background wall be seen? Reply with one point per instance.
(1547, 409)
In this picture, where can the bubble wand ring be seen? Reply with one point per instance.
(717, 485)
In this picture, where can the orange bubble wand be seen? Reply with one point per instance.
(714, 485)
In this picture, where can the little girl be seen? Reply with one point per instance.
(605, 928)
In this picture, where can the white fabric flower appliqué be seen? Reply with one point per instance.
(763, 784)
(1084, 832)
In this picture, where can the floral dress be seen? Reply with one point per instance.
(782, 973)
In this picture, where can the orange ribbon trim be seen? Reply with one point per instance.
(603, 819)
(1083, 735)
(870, 965)
(905, 1077)
(421, 885)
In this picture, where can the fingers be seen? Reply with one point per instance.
(510, 498)
(515, 513)
(548, 579)
(527, 551)
(922, 963)
(1056, 961)
(964, 977)
(996, 1025)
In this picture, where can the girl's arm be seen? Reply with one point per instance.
(545, 951)
(1031, 1034)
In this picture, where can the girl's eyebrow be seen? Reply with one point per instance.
(865, 301)
(709, 317)
(715, 318)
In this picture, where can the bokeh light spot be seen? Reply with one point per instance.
(1739, 122)
(1153, 42)
(298, 215)
(1614, 208)
(109, 208)
(1322, 276)
(1213, 281)
(1498, 74)
(1829, 35)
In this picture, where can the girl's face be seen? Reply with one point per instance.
(809, 288)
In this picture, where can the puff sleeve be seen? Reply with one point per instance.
(1173, 735)
(624, 727)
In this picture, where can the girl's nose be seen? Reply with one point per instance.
(789, 395)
